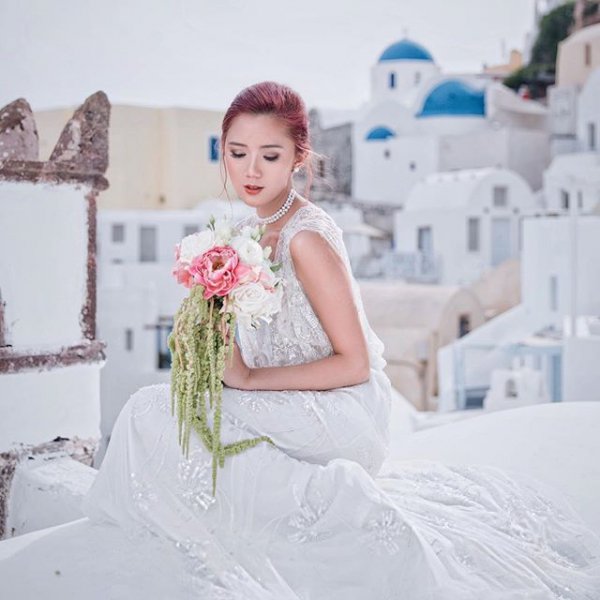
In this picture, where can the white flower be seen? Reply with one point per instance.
(252, 301)
(250, 252)
(196, 244)
(223, 232)
(247, 231)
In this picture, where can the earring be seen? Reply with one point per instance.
(295, 169)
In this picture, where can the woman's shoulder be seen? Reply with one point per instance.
(310, 216)
(311, 219)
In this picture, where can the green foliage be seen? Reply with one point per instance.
(199, 347)
(554, 28)
(540, 72)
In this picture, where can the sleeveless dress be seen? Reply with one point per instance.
(314, 517)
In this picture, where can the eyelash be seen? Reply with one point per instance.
(269, 158)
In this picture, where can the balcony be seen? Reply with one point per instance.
(413, 267)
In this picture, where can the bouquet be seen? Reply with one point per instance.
(231, 280)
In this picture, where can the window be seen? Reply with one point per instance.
(189, 229)
(129, 340)
(163, 330)
(412, 165)
(213, 148)
(553, 293)
(564, 199)
(500, 195)
(473, 234)
(425, 240)
(386, 153)
(118, 233)
(464, 325)
(147, 243)
(392, 80)
(510, 390)
(591, 129)
(321, 167)
(417, 78)
(588, 55)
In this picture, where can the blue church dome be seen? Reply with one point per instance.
(405, 49)
(453, 98)
(380, 133)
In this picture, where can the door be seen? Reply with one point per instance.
(500, 237)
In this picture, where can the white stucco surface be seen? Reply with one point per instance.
(555, 443)
(43, 262)
(37, 406)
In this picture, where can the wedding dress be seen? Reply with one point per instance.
(324, 514)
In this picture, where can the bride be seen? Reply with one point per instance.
(312, 517)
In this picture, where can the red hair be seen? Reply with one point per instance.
(281, 101)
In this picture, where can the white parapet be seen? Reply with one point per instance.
(46, 490)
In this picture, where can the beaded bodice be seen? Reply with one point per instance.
(296, 335)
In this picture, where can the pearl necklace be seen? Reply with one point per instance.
(282, 210)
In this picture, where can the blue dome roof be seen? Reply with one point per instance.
(380, 133)
(453, 98)
(405, 50)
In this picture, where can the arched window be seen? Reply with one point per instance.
(392, 80)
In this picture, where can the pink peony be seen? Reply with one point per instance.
(215, 270)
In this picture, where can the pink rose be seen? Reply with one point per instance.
(215, 270)
(183, 275)
(254, 274)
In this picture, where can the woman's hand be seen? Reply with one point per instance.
(236, 374)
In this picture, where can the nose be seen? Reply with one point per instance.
(252, 169)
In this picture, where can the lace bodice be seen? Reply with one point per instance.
(295, 335)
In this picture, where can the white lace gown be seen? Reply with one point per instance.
(313, 517)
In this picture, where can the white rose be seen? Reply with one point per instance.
(223, 232)
(195, 244)
(250, 252)
(247, 231)
(251, 302)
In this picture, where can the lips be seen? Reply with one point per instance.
(253, 188)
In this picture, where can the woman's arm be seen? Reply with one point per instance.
(327, 285)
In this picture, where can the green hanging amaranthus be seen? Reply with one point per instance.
(200, 343)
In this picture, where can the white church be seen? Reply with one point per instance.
(420, 121)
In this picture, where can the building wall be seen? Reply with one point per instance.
(159, 157)
(378, 178)
(573, 179)
(409, 74)
(547, 254)
(43, 271)
(449, 225)
(38, 406)
(588, 122)
(575, 63)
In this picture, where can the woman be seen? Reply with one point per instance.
(308, 517)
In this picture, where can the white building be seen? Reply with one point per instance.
(588, 121)
(573, 102)
(573, 178)
(457, 225)
(555, 329)
(420, 121)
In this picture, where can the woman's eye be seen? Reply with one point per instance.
(240, 155)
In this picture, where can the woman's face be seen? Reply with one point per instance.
(259, 152)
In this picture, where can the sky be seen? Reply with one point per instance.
(201, 53)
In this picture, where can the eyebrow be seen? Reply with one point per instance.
(266, 146)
